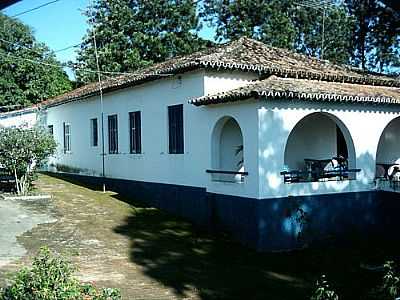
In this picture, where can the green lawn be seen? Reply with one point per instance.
(167, 254)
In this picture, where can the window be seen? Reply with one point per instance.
(175, 122)
(67, 137)
(50, 129)
(113, 134)
(135, 132)
(94, 136)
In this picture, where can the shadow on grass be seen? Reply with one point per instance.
(175, 253)
(179, 256)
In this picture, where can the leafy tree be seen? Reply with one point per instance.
(22, 150)
(23, 81)
(50, 278)
(134, 33)
(365, 33)
(285, 24)
(376, 34)
(325, 33)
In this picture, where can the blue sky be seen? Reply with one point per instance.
(61, 24)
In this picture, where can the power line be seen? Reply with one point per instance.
(35, 8)
(39, 53)
(66, 48)
(63, 64)
(82, 69)
(19, 45)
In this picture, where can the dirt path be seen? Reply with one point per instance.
(83, 228)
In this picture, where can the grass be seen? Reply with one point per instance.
(175, 256)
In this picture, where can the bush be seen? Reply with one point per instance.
(50, 278)
(22, 150)
(323, 291)
(390, 287)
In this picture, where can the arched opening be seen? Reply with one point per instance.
(227, 151)
(388, 151)
(319, 148)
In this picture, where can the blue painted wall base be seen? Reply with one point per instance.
(268, 224)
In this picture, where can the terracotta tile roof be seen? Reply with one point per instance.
(242, 54)
(305, 89)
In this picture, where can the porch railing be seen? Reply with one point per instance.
(227, 176)
(314, 176)
(386, 180)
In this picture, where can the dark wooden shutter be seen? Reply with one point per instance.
(95, 135)
(112, 134)
(175, 121)
(135, 132)
(65, 138)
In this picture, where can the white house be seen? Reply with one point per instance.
(242, 137)
(17, 118)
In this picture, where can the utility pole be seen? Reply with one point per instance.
(101, 102)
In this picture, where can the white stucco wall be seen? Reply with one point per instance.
(230, 139)
(217, 82)
(277, 119)
(389, 144)
(265, 127)
(314, 138)
(155, 164)
(27, 118)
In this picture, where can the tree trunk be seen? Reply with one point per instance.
(16, 181)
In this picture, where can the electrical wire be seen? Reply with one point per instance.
(39, 53)
(82, 69)
(35, 8)
(67, 48)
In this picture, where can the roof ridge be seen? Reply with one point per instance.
(243, 54)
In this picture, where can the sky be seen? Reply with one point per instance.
(61, 24)
(58, 25)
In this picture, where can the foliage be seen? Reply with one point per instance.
(390, 287)
(376, 34)
(22, 150)
(323, 291)
(23, 81)
(284, 24)
(134, 33)
(365, 33)
(50, 278)
(391, 282)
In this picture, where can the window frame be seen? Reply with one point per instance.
(94, 135)
(135, 132)
(67, 137)
(112, 134)
(176, 134)
(50, 129)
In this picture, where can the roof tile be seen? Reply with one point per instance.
(242, 54)
(305, 89)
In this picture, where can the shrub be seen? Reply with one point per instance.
(390, 280)
(22, 150)
(323, 291)
(50, 278)
(390, 287)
